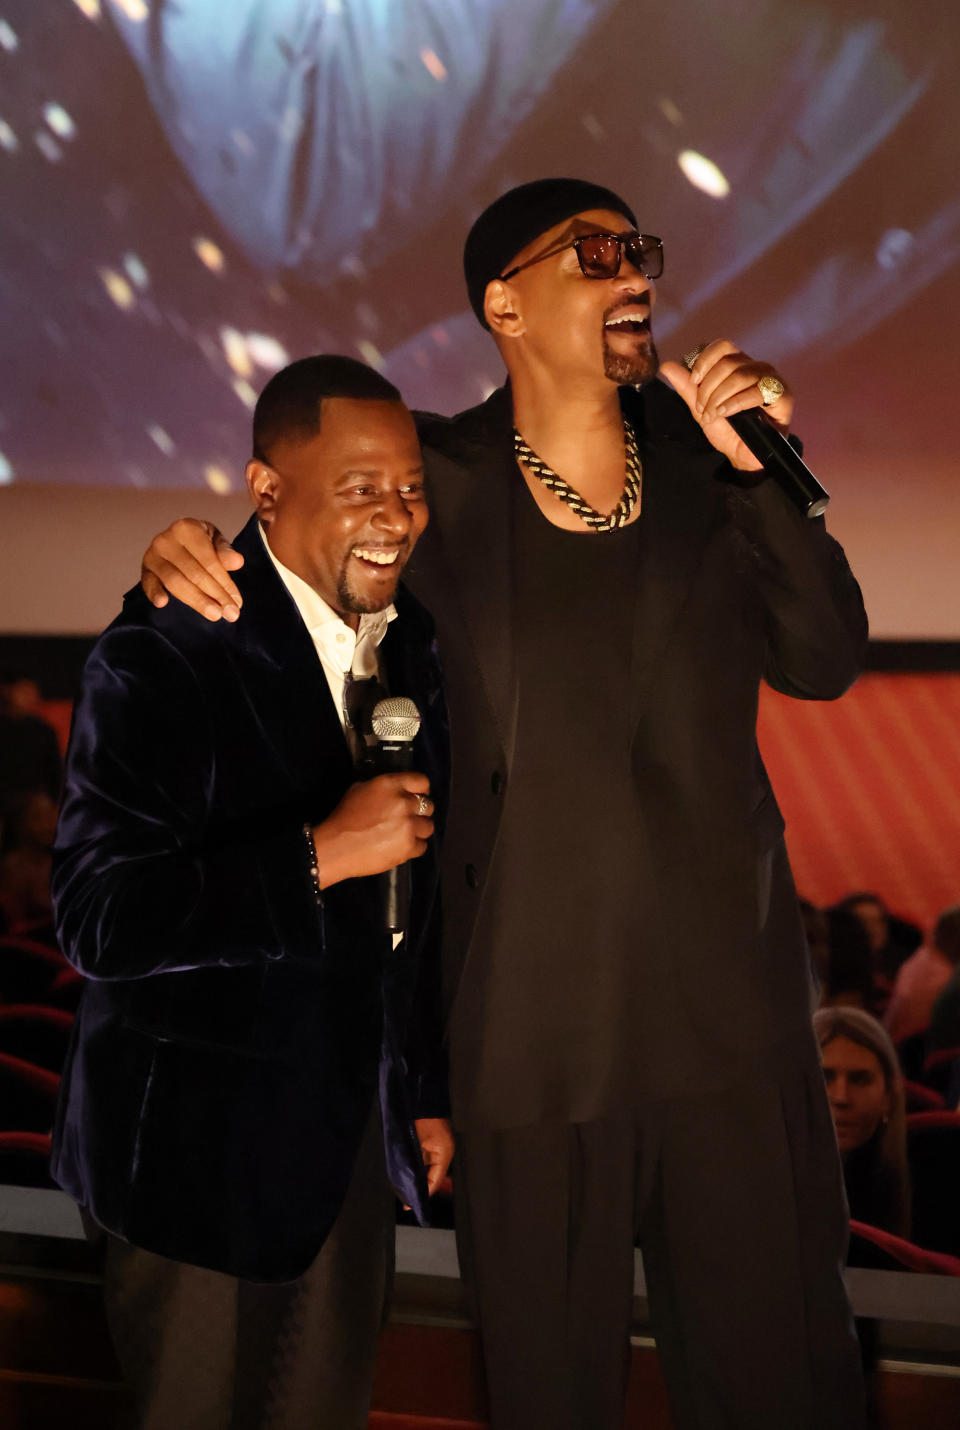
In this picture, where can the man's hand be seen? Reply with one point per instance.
(192, 561)
(723, 381)
(436, 1146)
(378, 824)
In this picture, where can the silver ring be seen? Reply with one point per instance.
(771, 389)
(423, 804)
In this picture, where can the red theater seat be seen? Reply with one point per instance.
(943, 1118)
(35, 1032)
(938, 1068)
(65, 990)
(28, 1095)
(25, 1159)
(911, 1053)
(922, 1099)
(933, 1153)
(882, 1251)
(27, 969)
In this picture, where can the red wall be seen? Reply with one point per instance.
(870, 788)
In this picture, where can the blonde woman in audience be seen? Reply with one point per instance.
(865, 1090)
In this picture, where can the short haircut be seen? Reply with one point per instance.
(862, 896)
(289, 406)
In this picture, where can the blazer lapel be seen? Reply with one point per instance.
(471, 548)
(292, 696)
(672, 538)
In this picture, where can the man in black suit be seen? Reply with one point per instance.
(255, 1070)
(626, 973)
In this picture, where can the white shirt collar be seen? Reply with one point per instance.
(334, 639)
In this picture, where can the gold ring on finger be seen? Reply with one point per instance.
(771, 389)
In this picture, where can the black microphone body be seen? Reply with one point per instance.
(395, 723)
(781, 461)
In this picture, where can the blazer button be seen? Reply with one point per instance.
(496, 782)
(472, 876)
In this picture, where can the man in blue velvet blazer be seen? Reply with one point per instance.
(248, 1030)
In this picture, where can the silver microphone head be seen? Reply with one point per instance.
(396, 718)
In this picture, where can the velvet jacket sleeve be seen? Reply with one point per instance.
(145, 880)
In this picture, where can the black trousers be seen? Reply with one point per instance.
(736, 1198)
(205, 1351)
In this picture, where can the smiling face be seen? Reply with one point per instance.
(574, 326)
(344, 508)
(857, 1091)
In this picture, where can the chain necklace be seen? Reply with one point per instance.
(597, 520)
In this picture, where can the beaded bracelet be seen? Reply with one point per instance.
(312, 861)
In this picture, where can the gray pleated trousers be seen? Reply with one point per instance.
(205, 1351)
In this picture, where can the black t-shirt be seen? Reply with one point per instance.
(557, 965)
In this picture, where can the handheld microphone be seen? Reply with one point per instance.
(780, 460)
(395, 722)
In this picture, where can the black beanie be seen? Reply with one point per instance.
(517, 218)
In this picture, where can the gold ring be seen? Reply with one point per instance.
(771, 389)
(423, 804)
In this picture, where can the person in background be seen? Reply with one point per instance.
(892, 939)
(849, 980)
(865, 1089)
(26, 849)
(29, 749)
(944, 1029)
(923, 977)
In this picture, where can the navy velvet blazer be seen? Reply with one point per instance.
(234, 1031)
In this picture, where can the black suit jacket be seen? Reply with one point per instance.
(234, 1030)
(734, 586)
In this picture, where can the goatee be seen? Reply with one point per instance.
(631, 370)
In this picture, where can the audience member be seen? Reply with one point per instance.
(892, 939)
(849, 980)
(865, 1090)
(922, 978)
(944, 1029)
(25, 858)
(29, 749)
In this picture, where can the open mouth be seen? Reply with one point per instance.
(627, 323)
(378, 558)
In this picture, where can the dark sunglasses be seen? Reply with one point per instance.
(600, 254)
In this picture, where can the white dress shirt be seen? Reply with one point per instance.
(339, 648)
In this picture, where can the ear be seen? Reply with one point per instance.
(262, 483)
(501, 310)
